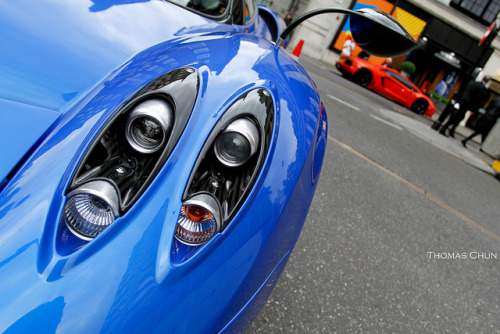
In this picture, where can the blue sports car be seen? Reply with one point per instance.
(158, 159)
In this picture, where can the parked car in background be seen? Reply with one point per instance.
(387, 82)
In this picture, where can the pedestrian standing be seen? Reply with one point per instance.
(486, 122)
(387, 63)
(451, 108)
(348, 46)
(470, 99)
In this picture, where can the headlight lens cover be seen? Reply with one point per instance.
(149, 125)
(237, 143)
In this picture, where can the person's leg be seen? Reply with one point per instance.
(487, 128)
(452, 128)
(446, 112)
(436, 125)
(445, 126)
(464, 142)
(455, 120)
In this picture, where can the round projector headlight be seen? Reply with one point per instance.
(198, 221)
(149, 125)
(237, 143)
(91, 208)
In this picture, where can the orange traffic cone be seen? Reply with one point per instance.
(298, 48)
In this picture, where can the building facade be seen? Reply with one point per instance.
(448, 32)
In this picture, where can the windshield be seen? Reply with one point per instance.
(214, 8)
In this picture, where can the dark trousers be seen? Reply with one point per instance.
(475, 133)
(454, 120)
(448, 110)
(483, 127)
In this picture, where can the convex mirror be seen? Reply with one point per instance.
(376, 32)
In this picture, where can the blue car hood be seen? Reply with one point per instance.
(21, 126)
(55, 52)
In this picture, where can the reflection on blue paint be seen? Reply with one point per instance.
(100, 5)
(43, 319)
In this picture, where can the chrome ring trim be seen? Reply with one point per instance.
(247, 129)
(102, 189)
(208, 202)
(158, 109)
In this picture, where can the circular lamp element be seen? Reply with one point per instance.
(198, 221)
(237, 143)
(149, 125)
(91, 208)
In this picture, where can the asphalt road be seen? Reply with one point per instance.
(403, 235)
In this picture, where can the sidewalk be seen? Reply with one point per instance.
(453, 146)
(461, 131)
(470, 154)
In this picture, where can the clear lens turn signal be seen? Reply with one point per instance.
(91, 208)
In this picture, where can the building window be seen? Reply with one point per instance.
(484, 11)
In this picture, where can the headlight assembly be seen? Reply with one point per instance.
(231, 159)
(128, 153)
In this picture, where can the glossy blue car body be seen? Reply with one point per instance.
(67, 67)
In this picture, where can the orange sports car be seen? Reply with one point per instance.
(387, 82)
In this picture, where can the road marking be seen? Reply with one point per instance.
(340, 86)
(386, 122)
(417, 188)
(343, 102)
(399, 110)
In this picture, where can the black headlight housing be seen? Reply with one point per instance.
(229, 163)
(128, 153)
